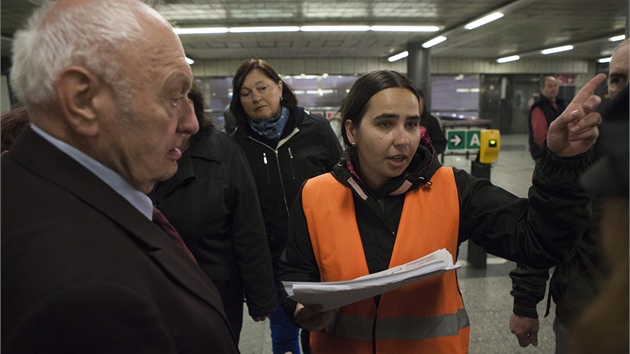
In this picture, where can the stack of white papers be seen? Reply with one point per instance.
(332, 295)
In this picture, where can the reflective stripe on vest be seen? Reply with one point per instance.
(427, 315)
(408, 328)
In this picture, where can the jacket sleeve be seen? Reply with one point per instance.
(297, 262)
(540, 231)
(250, 239)
(528, 289)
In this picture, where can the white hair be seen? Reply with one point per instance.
(91, 36)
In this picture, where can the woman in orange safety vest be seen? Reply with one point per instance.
(389, 201)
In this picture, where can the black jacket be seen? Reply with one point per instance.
(213, 204)
(493, 218)
(308, 147)
(573, 285)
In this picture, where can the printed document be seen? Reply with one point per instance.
(332, 295)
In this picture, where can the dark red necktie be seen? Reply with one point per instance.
(160, 220)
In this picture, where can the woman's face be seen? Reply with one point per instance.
(388, 136)
(260, 96)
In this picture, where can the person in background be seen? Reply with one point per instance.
(390, 202)
(213, 203)
(14, 122)
(544, 110)
(576, 283)
(603, 326)
(284, 146)
(432, 127)
(84, 268)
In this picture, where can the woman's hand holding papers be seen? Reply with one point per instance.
(311, 318)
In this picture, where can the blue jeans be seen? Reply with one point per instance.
(285, 337)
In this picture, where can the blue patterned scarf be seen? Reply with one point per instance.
(270, 128)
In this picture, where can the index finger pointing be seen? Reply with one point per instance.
(587, 90)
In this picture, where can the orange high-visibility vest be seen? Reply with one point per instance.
(424, 317)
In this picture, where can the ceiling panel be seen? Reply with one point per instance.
(527, 27)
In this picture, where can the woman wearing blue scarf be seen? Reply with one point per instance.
(285, 145)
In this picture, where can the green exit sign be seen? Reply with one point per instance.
(462, 140)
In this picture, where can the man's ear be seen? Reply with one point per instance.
(80, 93)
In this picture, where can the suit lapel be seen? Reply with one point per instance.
(44, 159)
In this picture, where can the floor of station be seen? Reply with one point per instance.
(486, 291)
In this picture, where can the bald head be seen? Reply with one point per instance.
(549, 88)
(110, 78)
(88, 33)
(618, 68)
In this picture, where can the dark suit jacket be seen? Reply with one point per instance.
(84, 271)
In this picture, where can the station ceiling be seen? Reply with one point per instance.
(527, 27)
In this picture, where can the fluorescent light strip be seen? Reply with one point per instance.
(604, 60)
(484, 20)
(398, 56)
(335, 28)
(617, 38)
(557, 49)
(264, 29)
(433, 42)
(508, 59)
(189, 61)
(404, 28)
(200, 30)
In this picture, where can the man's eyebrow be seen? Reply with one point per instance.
(178, 79)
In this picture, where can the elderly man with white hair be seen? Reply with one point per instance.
(84, 268)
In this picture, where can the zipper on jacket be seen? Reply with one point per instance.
(266, 167)
(284, 194)
(291, 163)
(379, 202)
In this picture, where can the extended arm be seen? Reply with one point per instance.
(545, 229)
(528, 289)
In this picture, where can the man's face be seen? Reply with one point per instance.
(550, 89)
(618, 69)
(141, 142)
